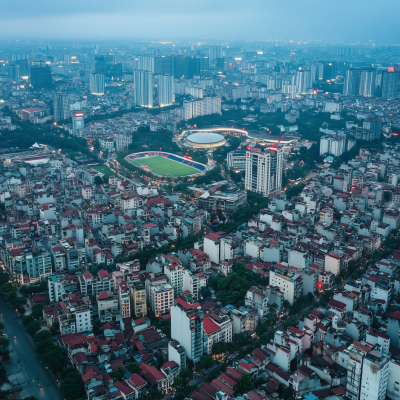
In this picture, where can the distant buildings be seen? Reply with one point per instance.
(41, 75)
(78, 122)
(61, 107)
(97, 84)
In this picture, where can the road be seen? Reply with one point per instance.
(30, 371)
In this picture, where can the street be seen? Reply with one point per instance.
(29, 372)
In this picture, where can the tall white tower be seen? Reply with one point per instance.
(264, 169)
(143, 88)
(166, 91)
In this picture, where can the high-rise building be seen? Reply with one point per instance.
(390, 82)
(164, 65)
(303, 81)
(367, 82)
(13, 72)
(264, 169)
(100, 63)
(186, 67)
(23, 68)
(166, 90)
(147, 63)
(96, 82)
(187, 327)
(352, 82)
(374, 125)
(143, 88)
(367, 373)
(214, 52)
(78, 122)
(41, 75)
(329, 70)
(61, 107)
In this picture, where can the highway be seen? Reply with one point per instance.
(29, 372)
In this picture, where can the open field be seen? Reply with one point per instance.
(103, 169)
(164, 166)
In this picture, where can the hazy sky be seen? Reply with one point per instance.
(329, 21)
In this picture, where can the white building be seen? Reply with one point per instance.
(143, 88)
(375, 373)
(216, 330)
(96, 83)
(187, 327)
(78, 122)
(334, 263)
(288, 281)
(160, 295)
(166, 90)
(335, 145)
(303, 81)
(264, 169)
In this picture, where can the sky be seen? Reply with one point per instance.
(364, 21)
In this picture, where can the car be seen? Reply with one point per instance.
(41, 387)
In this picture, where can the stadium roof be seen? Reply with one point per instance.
(205, 137)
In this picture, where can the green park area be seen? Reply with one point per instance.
(163, 166)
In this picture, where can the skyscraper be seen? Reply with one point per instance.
(61, 107)
(367, 82)
(264, 169)
(164, 65)
(329, 70)
(303, 81)
(186, 67)
(352, 82)
(143, 88)
(41, 75)
(147, 63)
(166, 92)
(390, 82)
(214, 52)
(13, 71)
(374, 125)
(96, 82)
(78, 122)
(100, 63)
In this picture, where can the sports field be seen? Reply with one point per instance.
(164, 166)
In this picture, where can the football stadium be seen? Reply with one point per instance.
(165, 164)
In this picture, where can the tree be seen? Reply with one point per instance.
(1, 326)
(41, 336)
(54, 359)
(133, 367)
(7, 287)
(4, 342)
(338, 280)
(54, 328)
(118, 374)
(271, 320)
(26, 320)
(183, 380)
(154, 394)
(33, 327)
(205, 292)
(244, 384)
(72, 386)
(206, 362)
(219, 348)
(98, 180)
(240, 339)
(37, 311)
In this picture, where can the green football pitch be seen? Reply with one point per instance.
(164, 166)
